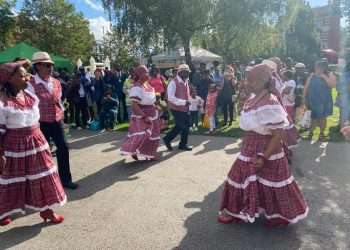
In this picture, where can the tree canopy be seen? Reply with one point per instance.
(7, 22)
(55, 26)
(233, 28)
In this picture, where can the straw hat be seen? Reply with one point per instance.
(41, 57)
(183, 67)
(272, 65)
(299, 65)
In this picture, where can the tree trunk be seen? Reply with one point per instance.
(186, 44)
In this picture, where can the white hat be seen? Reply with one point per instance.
(299, 65)
(272, 65)
(41, 57)
(183, 67)
(248, 68)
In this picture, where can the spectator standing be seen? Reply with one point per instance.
(119, 78)
(226, 96)
(288, 93)
(99, 86)
(196, 105)
(318, 93)
(210, 106)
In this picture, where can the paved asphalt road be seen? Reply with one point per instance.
(172, 204)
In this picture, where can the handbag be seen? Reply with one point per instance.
(206, 123)
(305, 121)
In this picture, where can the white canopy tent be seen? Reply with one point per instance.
(176, 57)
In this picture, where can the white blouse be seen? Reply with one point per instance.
(264, 119)
(13, 118)
(142, 96)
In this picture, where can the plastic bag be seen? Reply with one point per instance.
(305, 121)
(206, 122)
(95, 126)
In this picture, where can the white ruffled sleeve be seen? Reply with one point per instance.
(135, 94)
(272, 117)
(3, 118)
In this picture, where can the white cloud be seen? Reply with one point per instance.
(94, 5)
(99, 26)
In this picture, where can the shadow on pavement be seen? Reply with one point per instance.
(18, 235)
(107, 176)
(203, 232)
(89, 138)
(323, 172)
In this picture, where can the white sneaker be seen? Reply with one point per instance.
(79, 128)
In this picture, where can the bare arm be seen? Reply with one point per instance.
(136, 109)
(274, 144)
(272, 147)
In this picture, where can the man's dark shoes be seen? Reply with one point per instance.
(168, 145)
(70, 185)
(185, 148)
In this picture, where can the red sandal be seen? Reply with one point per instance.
(49, 215)
(5, 221)
(227, 219)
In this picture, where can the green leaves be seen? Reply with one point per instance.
(55, 26)
(7, 23)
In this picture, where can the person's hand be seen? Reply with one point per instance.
(258, 162)
(188, 103)
(2, 162)
(346, 132)
(148, 120)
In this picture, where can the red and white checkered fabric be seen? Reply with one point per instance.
(29, 178)
(50, 106)
(271, 190)
(142, 138)
(182, 92)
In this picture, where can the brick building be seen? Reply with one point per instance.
(327, 22)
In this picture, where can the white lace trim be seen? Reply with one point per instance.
(254, 178)
(14, 211)
(53, 206)
(26, 153)
(272, 157)
(125, 153)
(143, 133)
(19, 210)
(28, 177)
(154, 138)
(152, 118)
(265, 107)
(250, 219)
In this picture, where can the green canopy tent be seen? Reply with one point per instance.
(24, 50)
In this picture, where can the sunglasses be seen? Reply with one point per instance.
(47, 65)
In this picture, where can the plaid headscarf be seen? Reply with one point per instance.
(8, 69)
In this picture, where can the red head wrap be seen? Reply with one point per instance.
(8, 69)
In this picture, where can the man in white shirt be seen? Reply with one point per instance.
(178, 99)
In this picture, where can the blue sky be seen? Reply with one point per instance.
(98, 19)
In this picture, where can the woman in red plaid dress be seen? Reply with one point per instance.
(28, 176)
(260, 181)
(144, 131)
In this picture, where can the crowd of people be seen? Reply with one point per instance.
(270, 95)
